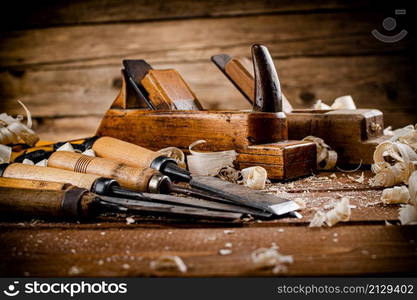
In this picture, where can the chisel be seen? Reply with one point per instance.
(107, 186)
(78, 203)
(136, 179)
(139, 157)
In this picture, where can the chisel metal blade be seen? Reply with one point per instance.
(242, 195)
(125, 205)
(188, 202)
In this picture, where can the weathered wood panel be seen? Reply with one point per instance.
(196, 39)
(62, 12)
(125, 251)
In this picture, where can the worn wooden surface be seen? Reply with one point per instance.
(363, 246)
(63, 58)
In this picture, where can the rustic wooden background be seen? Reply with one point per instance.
(62, 58)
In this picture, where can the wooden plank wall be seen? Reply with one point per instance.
(63, 58)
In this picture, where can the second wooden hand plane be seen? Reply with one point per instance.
(353, 134)
(260, 137)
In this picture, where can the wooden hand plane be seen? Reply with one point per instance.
(157, 109)
(353, 134)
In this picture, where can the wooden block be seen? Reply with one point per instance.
(168, 90)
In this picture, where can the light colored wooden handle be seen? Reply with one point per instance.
(32, 184)
(168, 90)
(132, 178)
(49, 174)
(124, 152)
(240, 70)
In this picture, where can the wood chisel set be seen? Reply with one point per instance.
(157, 109)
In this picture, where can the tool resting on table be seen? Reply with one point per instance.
(70, 202)
(110, 187)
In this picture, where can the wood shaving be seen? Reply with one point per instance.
(12, 130)
(395, 195)
(264, 258)
(169, 262)
(89, 152)
(5, 154)
(42, 163)
(209, 163)
(254, 177)
(396, 159)
(66, 147)
(326, 157)
(176, 154)
(343, 102)
(130, 220)
(360, 179)
(225, 251)
(300, 202)
(318, 219)
(28, 162)
(340, 212)
(230, 174)
(74, 270)
(408, 213)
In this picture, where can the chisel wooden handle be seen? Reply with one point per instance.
(22, 171)
(127, 153)
(71, 203)
(137, 179)
(33, 184)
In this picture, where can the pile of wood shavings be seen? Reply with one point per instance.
(270, 258)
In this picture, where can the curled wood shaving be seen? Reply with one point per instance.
(66, 147)
(340, 213)
(176, 154)
(12, 129)
(230, 174)
(343, 102)
(28, 162)
(408, 213)
(254, 177)
(209, 163)
(5, 154)
(42, 163)
(395, 195)
(270, 258)
(320, 105)
(326, 157)
(395, 159)
(89, 152)
(169, 262)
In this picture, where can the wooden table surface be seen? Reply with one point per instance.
(372, 243)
